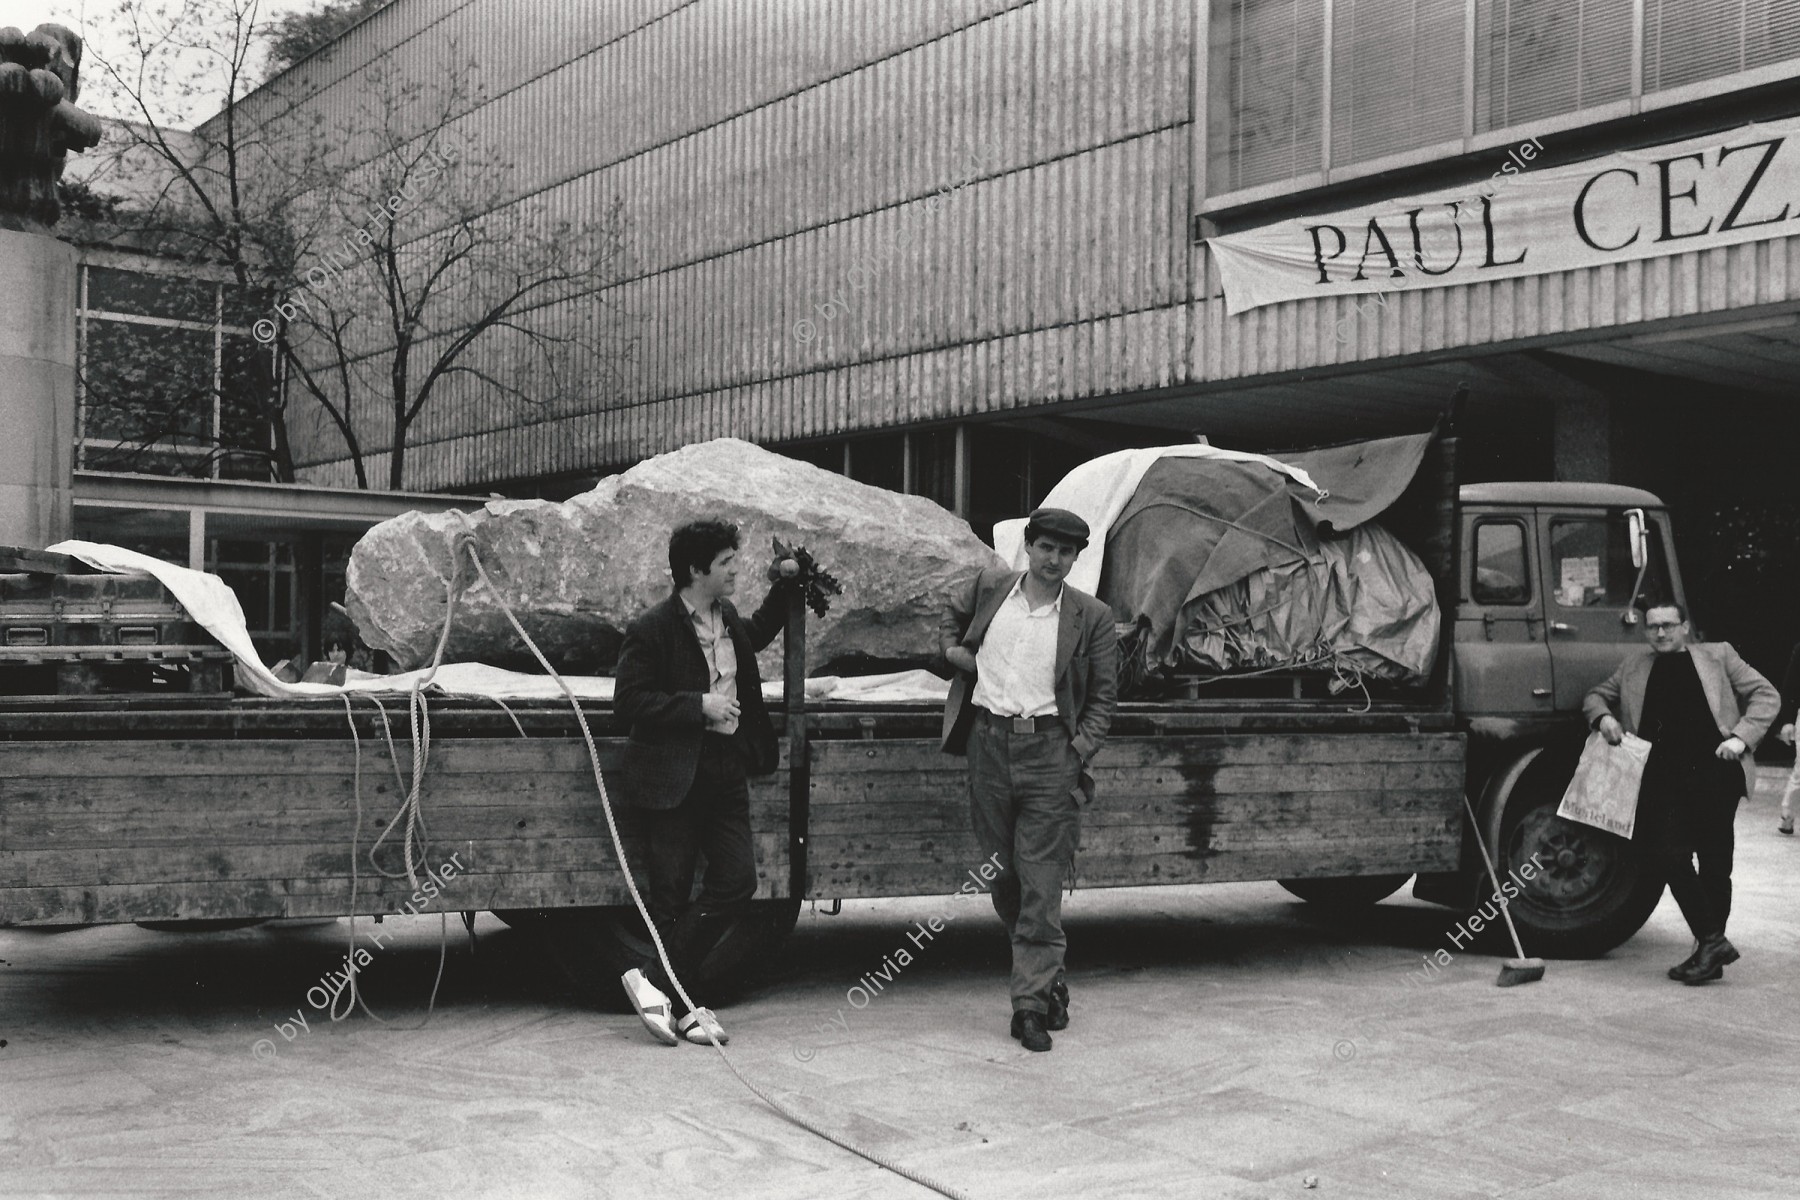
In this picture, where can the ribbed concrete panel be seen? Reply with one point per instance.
(967, 200)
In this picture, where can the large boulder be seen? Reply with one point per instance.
(577, 572)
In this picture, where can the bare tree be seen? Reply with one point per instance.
(398, 270)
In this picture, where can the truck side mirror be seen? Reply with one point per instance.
(1640, 548)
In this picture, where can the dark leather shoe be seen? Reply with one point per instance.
(1058, 1018)
(1028, 1027)
(1715, 954)
(1685, 965)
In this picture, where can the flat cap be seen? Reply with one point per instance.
(1060, 523)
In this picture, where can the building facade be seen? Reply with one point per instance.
(955, 245)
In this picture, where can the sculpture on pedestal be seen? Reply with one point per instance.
(39, 123)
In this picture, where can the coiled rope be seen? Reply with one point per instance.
(464, 540)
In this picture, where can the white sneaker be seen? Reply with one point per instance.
(652, 1006)
(697, 1024)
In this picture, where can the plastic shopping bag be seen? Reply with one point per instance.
(1604, 791)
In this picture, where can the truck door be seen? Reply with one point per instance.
(1588, 583)
(1502, 663)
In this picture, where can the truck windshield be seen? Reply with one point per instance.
(1590, 563)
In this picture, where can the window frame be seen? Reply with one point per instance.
(85, 313)
(1525, 536)
(1471, 142)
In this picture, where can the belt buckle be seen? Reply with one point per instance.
(1024, 724)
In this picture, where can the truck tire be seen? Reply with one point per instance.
(1353, 891)
(592, 947)
(1592, 890)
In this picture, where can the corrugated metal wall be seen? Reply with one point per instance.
(852, 214)
(845, 214)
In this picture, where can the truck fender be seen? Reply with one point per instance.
(1464, 887)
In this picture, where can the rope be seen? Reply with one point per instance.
(416, 833)
(662, 953)
(356, 996)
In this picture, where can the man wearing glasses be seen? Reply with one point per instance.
(1703, 709)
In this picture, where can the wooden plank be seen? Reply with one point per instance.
(326, 861)
(840, 757)
(1267, 810)
(915, 879)
(117, 903)
(39, 828)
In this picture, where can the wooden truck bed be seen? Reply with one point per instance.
(123, 811)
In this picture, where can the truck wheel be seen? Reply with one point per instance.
(1354, 891)
(1592, 890)
(594, 946)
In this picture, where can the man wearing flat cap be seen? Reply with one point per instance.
(1036, 666)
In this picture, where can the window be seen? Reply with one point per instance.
(169, 383)
(1686, 41)
(1590, 562)
(1502, 571)
(1396, 76)
(1414, 74)
(1267, 58)
(1542, 58)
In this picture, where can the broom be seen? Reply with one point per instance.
(1513, 971)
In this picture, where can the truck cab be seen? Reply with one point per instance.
(1555, 577)
(1553, 581)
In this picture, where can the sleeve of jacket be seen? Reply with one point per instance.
(769, 619)
(1790, 691)
(1760, 699)
(1103, 683)
(1603, 699)
(636, 696)
(958, 610)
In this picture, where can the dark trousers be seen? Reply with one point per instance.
(1687, 807)
(1027, 820)
(712, 819)
(1704, 896)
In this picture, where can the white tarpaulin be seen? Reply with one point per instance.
(213, 605)
(1716, 190)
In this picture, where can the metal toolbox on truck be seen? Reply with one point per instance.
(66, 629)
(38, 611)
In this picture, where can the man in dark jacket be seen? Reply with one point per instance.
(688, 685)
(1037, 667)
(1703, 709)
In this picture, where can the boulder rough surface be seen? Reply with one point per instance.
(575, 573)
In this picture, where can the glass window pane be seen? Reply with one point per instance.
(1541, 58)
(1590, 562)
(879, 461)
(1396, 76)
(148, 386)
(141, 294)
(1501, 573)
(1267, 98)
(246, 306)
(246, 398)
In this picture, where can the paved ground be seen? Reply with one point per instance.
(1227, 1043)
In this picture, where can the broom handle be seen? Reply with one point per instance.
(1475, 828)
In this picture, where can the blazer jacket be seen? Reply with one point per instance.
(1087, 662)
(661, 676)
(1743, 703)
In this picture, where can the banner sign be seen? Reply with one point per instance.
(1718, 190)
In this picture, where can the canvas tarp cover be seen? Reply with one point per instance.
(1227, 566)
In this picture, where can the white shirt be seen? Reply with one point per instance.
(1015, 668)
(720, 653)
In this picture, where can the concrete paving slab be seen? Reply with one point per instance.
(1227, 1042)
